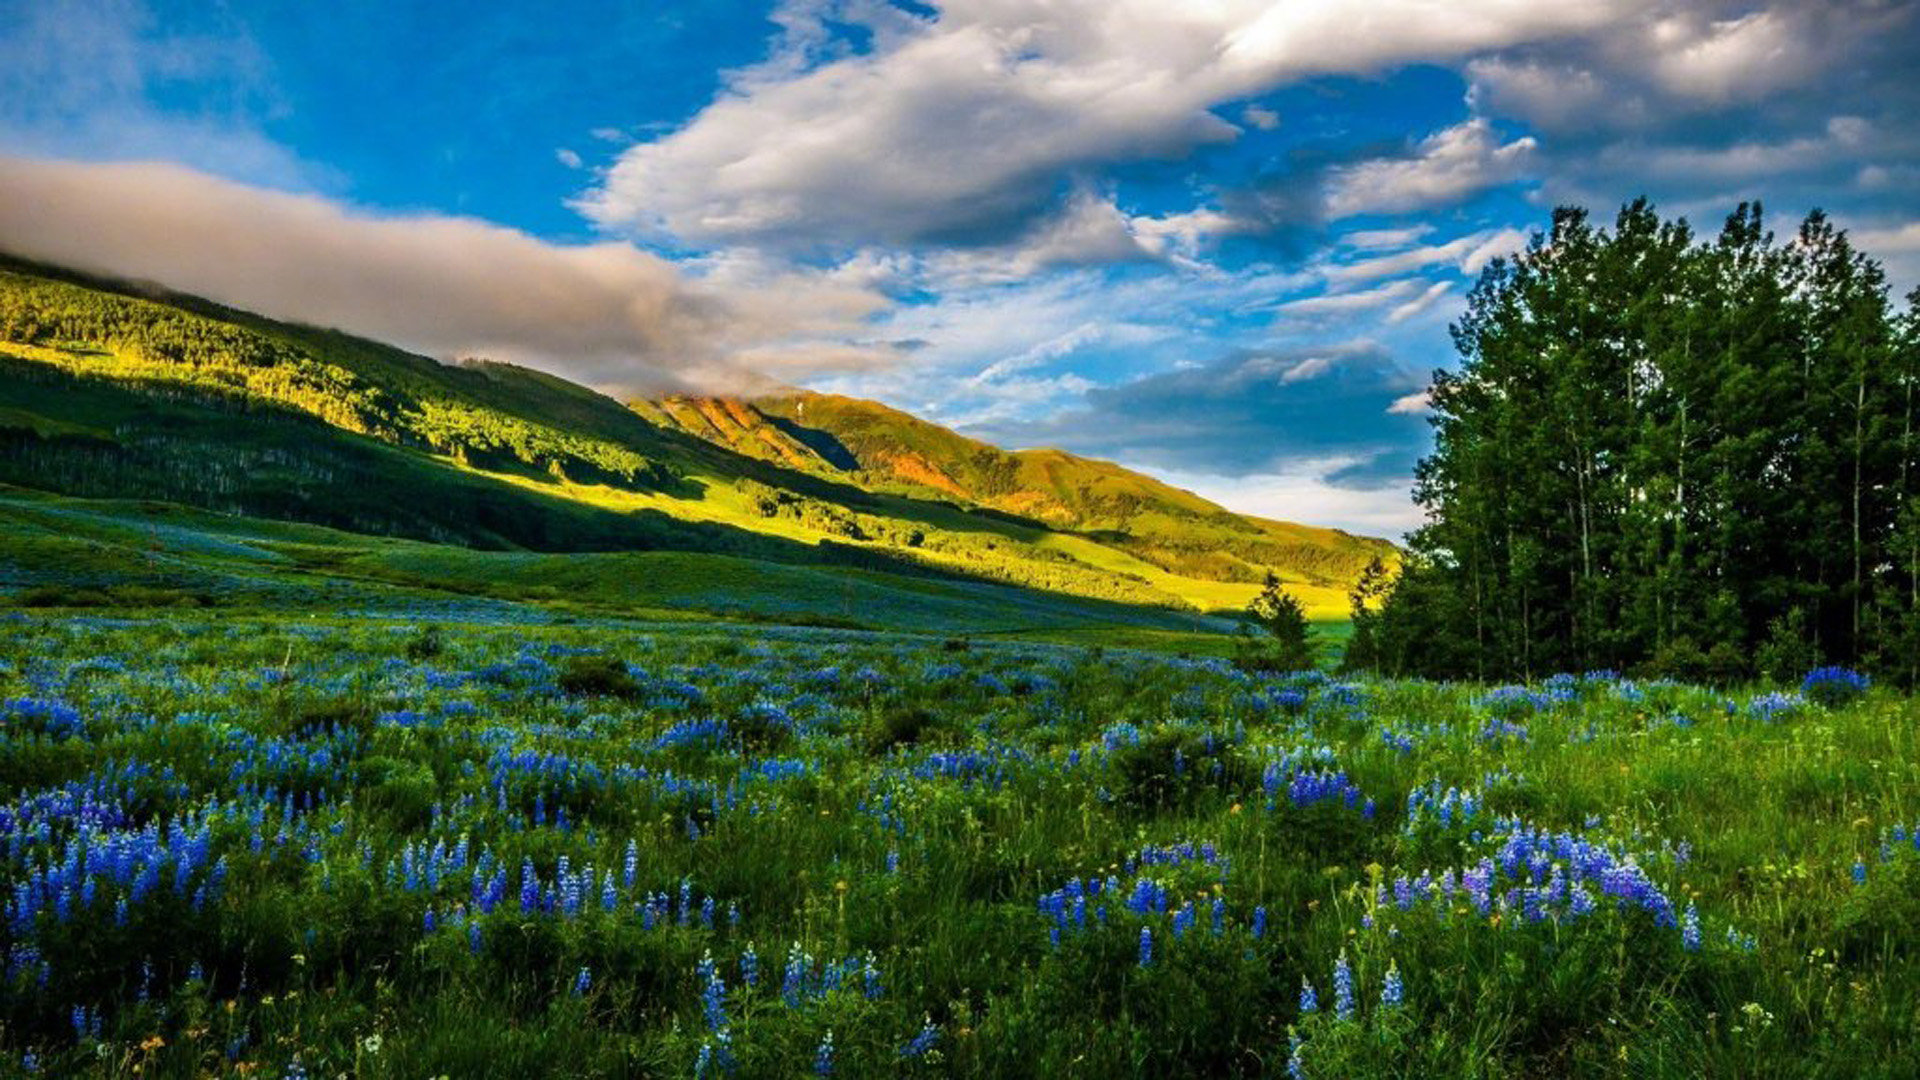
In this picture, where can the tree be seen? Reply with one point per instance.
(1364, 603)
(1654, 447)
(1284, 640)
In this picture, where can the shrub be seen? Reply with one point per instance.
(1726, 664)
(1174, 767)
(903, 724)
(1788, 649)
(1679, 659)
(598, 676)
(425, 644)
(762, 727)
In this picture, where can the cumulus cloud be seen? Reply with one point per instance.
(606, 314)
(1261, 118)
(1444, 168)
(1841, 140)
(965, 127)
(1676, 60)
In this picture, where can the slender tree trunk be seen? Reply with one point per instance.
(1859, 437)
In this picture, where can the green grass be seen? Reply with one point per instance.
(251, 564)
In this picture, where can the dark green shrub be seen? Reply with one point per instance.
(425, 645)
(1726, 664)
(598, 676)
(762, 728)
(1789, 650)
(1175, 767)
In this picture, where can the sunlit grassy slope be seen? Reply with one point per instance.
(65, 552)
(108, 391)
(1187, 538)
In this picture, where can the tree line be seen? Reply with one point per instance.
(1693, 457)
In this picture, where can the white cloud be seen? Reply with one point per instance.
(1736, 59)
(1384, 239)
(1447, 166)
(1302, 493)
(1414, 404)
(605, 314)
(1552, 96)
(1892, 240)
(1352, 303)
(949, 129)
(1263, 119)
(1844, 139)
(1470, 253)
(1420, 303)
(1311, 367)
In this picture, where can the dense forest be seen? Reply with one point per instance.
(1691, 458)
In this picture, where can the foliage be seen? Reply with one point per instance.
(595, 675)
(1279, 637)
(1654, 446)
(1369, 595)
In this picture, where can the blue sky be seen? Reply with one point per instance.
(1218, 242)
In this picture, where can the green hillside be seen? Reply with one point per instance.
(885, 449)
(110, 390)
(63, 552)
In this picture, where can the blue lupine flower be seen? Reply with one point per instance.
(1834, 686)
(1342, 987)
(1259, 922)
(1146, 947)
(823, 1056)
(923, 1042)
(1690, 929)
(1392, 992)
(1309, 1001)
(1859, 873)
(713, 993)
(583, 982)
(1296, 1061)
(794, 981)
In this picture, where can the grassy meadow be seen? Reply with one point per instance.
(454, 841)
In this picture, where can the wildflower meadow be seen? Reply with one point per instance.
(377, 847)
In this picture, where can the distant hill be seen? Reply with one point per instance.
(884, 449)
(115, 390)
